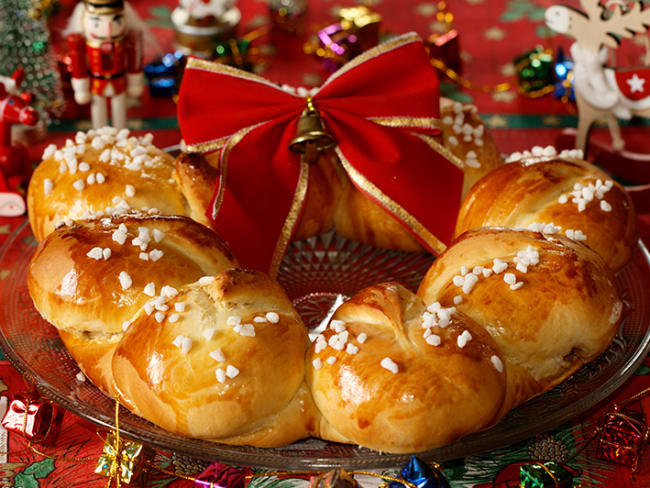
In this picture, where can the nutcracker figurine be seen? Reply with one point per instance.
(106, 58)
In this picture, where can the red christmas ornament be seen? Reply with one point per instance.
(623, 435)
(446, 48)
(219, 475)
(33, 417)
(444, 43)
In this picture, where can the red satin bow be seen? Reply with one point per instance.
(380, 108)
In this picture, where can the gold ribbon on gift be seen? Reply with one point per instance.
(120, 458)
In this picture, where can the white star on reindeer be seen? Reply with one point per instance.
(636, 83)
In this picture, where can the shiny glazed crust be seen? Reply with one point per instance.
(172, 362)
(466, 136)
(523, 193)
(564, 314)
(154, 184)
(223, 355)
(179, 390)
(438, 394)
(84, 297)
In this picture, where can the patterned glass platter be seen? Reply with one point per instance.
(317, 273)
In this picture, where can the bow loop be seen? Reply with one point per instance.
(217, 101)
(393, 81)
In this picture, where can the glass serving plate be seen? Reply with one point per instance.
(317, 273)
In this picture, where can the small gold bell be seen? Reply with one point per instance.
(311, 136)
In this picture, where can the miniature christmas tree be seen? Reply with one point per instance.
(25, 42)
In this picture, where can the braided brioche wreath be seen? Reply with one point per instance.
(154, 309)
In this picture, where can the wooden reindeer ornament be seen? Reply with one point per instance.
(601, 91)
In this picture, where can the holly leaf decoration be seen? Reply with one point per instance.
(29, 240)
(450, 90)
(28, 477)
(522, 9)
(161, 17)
(642, 371)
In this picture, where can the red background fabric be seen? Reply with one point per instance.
(492, 34)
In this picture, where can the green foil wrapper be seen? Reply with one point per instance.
(545, 475)
(235, 52)
(535, 69)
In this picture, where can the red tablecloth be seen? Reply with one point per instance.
(492, 34)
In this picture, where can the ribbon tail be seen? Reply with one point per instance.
(216, 101)
(291, 222)
(260, 195)
(403, 173)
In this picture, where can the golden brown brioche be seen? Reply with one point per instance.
(198, 177)
(381, 381)
(101, 172)
(332, 201)
(577, 198)
(323, 196)
(465, 135)
(359, 218)
(198, 180)
(227, 365)
(91, 278)
(549, 302)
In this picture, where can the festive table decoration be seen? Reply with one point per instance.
(219, 475)
(288, 15)
(239, 52)
(363, 23)
(15, 164)
(548, 448)
(379, 102)
(421, 475)
(121, 460)
(42, 8)
(535, 69)
(603, 92)
(33, 417)
(164, 74)
(200, 24)
(444, 43)
(356, 31)
(203, 12)
(336, 46)
(106, 59)
(534, 474)
(336, 478)
(25, 43)
(564, 77)
(548, 474)
(624, 432)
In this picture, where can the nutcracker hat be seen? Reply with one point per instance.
(104, 6)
